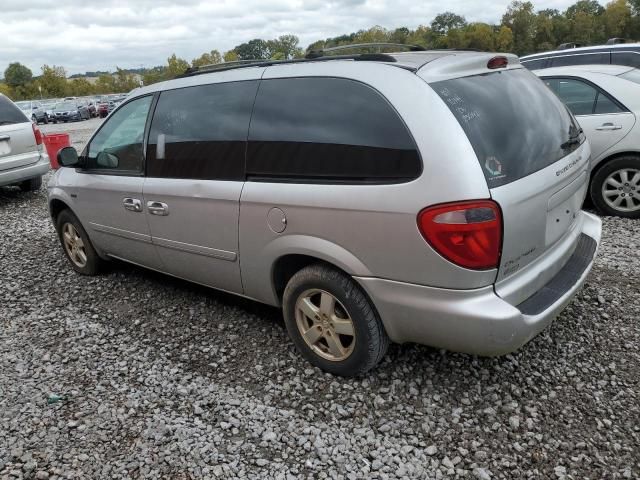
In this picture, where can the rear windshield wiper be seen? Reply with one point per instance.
(6, 122)
(573, 140)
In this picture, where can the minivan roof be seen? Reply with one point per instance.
(614, 70)
(569, 51)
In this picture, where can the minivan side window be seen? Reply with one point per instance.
(201, 132)
(630, 59)
(328, 129)
(118, 145)
(581, 59)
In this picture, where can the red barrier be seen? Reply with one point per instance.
(53, 143)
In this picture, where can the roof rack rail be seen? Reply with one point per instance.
(232, 65)
(220, 66)
(323, 51)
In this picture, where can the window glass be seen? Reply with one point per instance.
(331, 129)
(578, 96)
(9, 113)
(582, 59)
(118, 145)
(514, 123)
(535, 64)
(201, 132)
(605, 105)
(631, 59)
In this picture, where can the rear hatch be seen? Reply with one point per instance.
(535, 161)
(17, 140)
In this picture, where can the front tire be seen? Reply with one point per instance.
(31, 185)
(615, 187)
(332, 322)
(76, 244)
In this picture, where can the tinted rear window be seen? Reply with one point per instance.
(515, 124)
(9, 113)
(535, 64)
(328, 129)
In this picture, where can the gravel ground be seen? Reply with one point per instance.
(137, 375)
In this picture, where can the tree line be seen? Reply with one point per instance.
(522, 30)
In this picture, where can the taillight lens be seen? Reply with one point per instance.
(497, 62)
(37, 134)
(468, 234)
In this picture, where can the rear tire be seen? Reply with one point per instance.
(31, 185)
(332, 322)
(615, 187)
(76, 244)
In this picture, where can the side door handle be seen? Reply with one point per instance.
(158, 208)
(132, 204)
(609, 126)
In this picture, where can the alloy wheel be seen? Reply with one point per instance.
(621, 190)
(73, 245)
(325, 325)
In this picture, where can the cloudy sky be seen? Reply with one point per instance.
(99, 35)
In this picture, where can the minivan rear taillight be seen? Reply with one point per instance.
(37, 134)
(467, 233)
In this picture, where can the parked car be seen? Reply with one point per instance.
(71, 110)
(103, 109)
(33, 110)
(606, 101)
(627, 54)
(406, 197)
(23, 161)
(49, 106)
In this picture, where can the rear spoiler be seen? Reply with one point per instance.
(464, 64)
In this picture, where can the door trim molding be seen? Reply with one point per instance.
(195, 249)
(139, 237)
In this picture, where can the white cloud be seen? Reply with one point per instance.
(83, 36)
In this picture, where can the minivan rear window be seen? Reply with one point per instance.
(9, 113)
(515, 124)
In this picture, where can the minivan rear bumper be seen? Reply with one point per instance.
(19, 174)
(479, 321)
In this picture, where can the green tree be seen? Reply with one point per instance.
(154, 75)
(480, 36)
(5, 89)
(284, 47)
(422, 36)
(53, 81)
(211, 58)
(17, 75)
(520, 18)
(588, 7)
(230, 56)
(80, 87)
(255, 49)
(617, 19)
(399, 35)
(106, 83)
(176, 66)
(443, 22)
(504, 39)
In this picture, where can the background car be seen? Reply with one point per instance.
(627, 54)
(34, 110)
(48, 106)
(606, 101)
(71, 110)
(23, 161)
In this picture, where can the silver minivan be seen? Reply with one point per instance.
(23, 160)
(423, 196)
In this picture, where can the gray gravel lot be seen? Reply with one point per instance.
(137, 375)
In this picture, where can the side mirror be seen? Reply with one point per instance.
(68, 157)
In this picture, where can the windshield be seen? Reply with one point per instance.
(632, 75)
(515, 124)
(9, 113)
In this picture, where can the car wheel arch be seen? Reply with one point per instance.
(611, 157)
